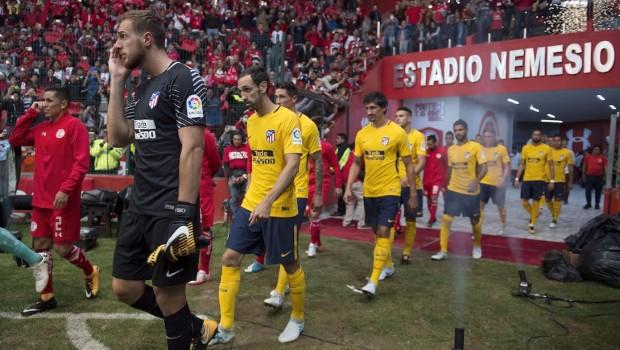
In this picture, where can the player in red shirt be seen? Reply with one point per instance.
(210, 165)
(61, 162)
(330, 166)
(594, 165)
(434, 175)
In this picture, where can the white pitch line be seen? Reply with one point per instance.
(77, 328)
(85, 315)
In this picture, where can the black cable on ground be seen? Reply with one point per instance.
(570, 304)
(553, 312)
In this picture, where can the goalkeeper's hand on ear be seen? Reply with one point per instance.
(182, 239)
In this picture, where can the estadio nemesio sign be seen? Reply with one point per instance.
(553, 60)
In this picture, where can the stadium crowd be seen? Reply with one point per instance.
(325, 47)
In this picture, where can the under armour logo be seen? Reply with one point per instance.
(583, 139)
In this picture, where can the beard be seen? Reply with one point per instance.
(136, 61)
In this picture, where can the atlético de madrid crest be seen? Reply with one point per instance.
(270, 135)
(154, 99)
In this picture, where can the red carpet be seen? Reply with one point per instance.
(516, 250)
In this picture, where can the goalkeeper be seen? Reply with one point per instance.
(165, 118)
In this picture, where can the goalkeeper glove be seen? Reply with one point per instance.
(182, 241)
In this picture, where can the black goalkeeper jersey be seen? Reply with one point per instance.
(159, 107)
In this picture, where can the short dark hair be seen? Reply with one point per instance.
(290, 88)
(597, 146)
(537, 129)
(431, 137)
(449, 133)
(460, 122)
(343, 136)
(60, 92)
(377, 98)
(558, 135)
(258, 74)
(144, 21)
(405, 109)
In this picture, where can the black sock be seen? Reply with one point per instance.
(197, 323)
(179, 329)
(148, 303)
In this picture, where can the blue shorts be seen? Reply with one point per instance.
(404, 198)
(558, 191)
(277, 237)
(533, 189)
(380, 211)
(301, 210)
(497, 194)
(458, 203)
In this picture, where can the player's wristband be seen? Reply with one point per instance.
(552, 181)
(184, 210)
(516, 179)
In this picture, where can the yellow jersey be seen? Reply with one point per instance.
(535, 158)
(270, 137)
(417, 143)
(496, 157)
(463, 161)
(311, 145)
(380, 149)
(561, 158)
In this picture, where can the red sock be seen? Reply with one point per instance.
(397, 222)
(49, 288)
(433, 208)
(77, 258)
(315, 232)
(205, 254)
(261, 259)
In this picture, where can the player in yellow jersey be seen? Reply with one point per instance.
(535, 157)
(378, 145)
(417, 142)
(561, 158)
(467, 167)
(268, 215)
(286, 96)
(493, 185)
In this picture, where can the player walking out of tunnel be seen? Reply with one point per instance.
(561, 158)
(286, 96)
(467, 166)
(535, 161)
(378, 145)
(63, 158)
(418, 157)
(493, 185)
(165, 118)
(268, 215)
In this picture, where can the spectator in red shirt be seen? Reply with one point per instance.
(235, 160)
(522, 16)
(594, 166)
(434, 175)
(62, 160)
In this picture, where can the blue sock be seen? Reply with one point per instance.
(10, 244)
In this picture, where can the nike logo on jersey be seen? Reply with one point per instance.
(286, 254)
(172, 274)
